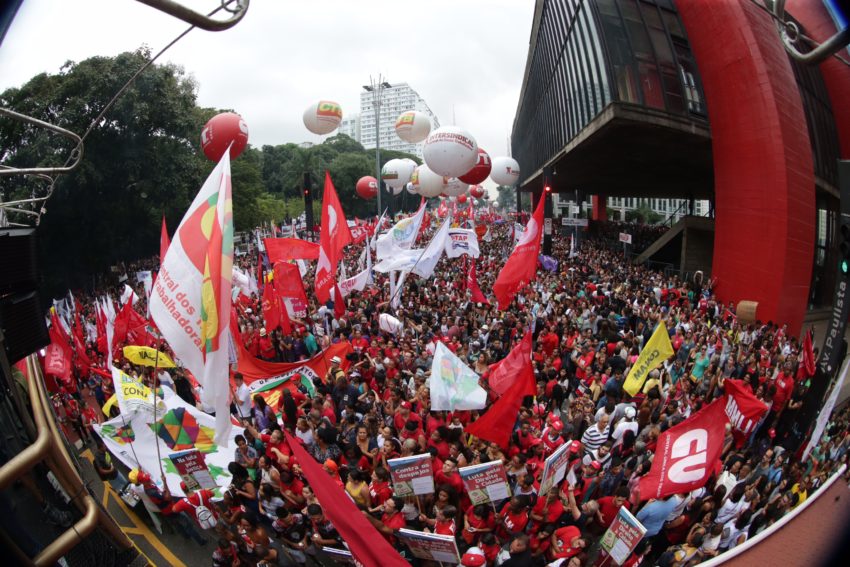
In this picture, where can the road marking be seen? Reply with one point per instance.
(139, 528)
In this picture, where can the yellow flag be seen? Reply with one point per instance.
(107, 407)
(146, 356)
(656, 351)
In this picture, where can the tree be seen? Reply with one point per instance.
(643, 214)
(140, 161)
(507, 197)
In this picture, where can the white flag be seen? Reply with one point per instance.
(453, 385)
(191, 299)
(462, 241)
(356, 283)
(431, 255)
(129, 295)
(401, 236)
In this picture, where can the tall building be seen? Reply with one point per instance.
(395, 100)
(670, 100)
(350, 126)
(668, 209)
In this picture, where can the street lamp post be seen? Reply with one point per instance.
(376, 87)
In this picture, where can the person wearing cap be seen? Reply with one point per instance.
(334, 373)
(552, 438)
(266, 346)
(473, 557)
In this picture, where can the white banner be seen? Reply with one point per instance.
(454, 385)
(462, 241)
(180, 427)
(826, 410)
(401, 236)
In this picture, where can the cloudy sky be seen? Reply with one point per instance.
(466, 56)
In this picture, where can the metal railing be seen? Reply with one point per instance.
(49, 447)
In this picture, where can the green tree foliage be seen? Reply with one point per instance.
(144, 160)
(506, 197)
(643, 215)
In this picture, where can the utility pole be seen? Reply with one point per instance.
(376, 87)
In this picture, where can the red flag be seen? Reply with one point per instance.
(57, 357)
(271, 308)
(260, 279)
(472, 285)
(497, 424)
(122, 327)
(808, 362)
(164, 241)
(288, 283)
(283, 249)
(521, 267)
(514, 367)
(334, 236)
(687, 454)
(100, 319)
(339, 303)
(367, 546)
(743, 409)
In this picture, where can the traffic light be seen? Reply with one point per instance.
(547, 189)
(307, 190)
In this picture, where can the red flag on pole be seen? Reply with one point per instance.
(271, 308)
(288, 283)
(472, 285)
(367, 546)
(808, 363)
(521, 267)
(57, 357)
(334, 236)
(516, 366)
(497, 424)
(743, 409)
(283, 249)
(164, 241)
(687, 454)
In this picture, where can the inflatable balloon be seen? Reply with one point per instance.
(411, 188)
(413, 126)
(450, 151)
(396, 172)
(397, 190)
(367, 187)
(430, 184)
(461, 198)
(455, 187)
(220, 131)
(323, 117)
(505, 171)
(479, 171)
(476, 191)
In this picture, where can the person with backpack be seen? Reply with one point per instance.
(197, 504)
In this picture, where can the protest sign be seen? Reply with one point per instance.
(192, 468)
(554, 468)
(430, 546)
(622, 536)
(486, 482)
(412, 475)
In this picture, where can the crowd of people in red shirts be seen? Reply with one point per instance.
(589, 320)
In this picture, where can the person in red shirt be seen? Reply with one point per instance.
(267, 350)
(566, 542)
(290, 490)
(191, 502)
(540, 540)
(444, 523)
(380, 489)
(403, 415)
(448, 475)
(513, 518)
(546, 510)
(392, 519)
(478, 521)
(609, 506)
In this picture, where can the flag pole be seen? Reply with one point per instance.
(398, 288)
(155, 388)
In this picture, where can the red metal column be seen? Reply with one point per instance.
(600, 211)
(764, 177)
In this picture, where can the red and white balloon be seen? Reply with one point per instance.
(220, 131)
(479, 171)
(455, 187)
(367, 187)
(477, 191)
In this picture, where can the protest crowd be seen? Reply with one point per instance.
(585, 319)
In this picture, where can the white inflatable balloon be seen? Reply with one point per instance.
(430, 184)
(391, 175)
(414, 179)
(413, 126)
(505, 171)
(397, 190)
(323, 117)
(455, 188)
(450, 151)
(411, 188)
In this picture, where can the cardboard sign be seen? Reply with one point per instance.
(625, 238)
(412, 475)
(486, 482)
(622, 536)
(193, 469)
(430, 546)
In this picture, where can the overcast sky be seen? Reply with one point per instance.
(462, 55)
